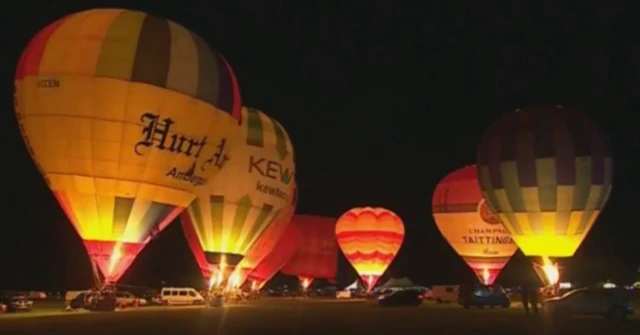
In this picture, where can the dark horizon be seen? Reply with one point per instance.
(381, 102)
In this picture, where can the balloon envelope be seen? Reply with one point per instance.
(255, 185)
(267, 241)
(317, 253)
(467, 223)
(278, 257)
(546, 172)
(126, 115)
(370, 238)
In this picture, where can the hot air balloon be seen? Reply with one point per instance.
(235, 209)
(467, 223)
(266, 242)
(370, 238)
(546, 172)
(126, 115)
(277, 258)
(196, 249)
(317, 253)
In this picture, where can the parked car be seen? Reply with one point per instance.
(16, 303)
(152, 297)
(181, 296)
(444, 293)
(478, 295)
(608, 303)
(124, 298)
(400, 298)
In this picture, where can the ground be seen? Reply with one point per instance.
(303, 316)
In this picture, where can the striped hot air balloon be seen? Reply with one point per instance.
(467, 223)
(370, 238)
(254, 187)
(546, 172)
(126, 115)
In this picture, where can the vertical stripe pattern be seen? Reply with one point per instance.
(229, 228)
(547, 173)
(133, 46)
(264, 131)
(251, 192)
(103, 218)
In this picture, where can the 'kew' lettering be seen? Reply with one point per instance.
(270, 169)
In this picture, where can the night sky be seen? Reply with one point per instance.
(381, 99)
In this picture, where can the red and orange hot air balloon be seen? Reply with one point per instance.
(467, 223)
(370, 238)
(317, 253)
(282, 252)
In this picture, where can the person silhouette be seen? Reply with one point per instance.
(524, 296)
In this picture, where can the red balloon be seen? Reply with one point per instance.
(317, 254)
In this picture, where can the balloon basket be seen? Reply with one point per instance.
(217, 302)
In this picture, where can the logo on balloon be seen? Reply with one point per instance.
(272, 170)
(487, 251)
(157, 134)
(48, 83)
(486, 214)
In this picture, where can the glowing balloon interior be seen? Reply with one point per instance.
(370, 238)
(255, 185)
(469, 225)
(546, 172)
(126, 115)
(267, 241)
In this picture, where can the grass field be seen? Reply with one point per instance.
(303, 316)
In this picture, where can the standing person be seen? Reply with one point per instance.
(524, 296)
(533, 298)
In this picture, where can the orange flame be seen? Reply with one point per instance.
(485, 276)
(550, 270)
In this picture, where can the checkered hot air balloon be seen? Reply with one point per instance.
(547, 173)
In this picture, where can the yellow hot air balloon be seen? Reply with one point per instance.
(126, 115)
(241, 203)
(466, 222)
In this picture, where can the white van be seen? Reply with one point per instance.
(445, 293)
(180, 296)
